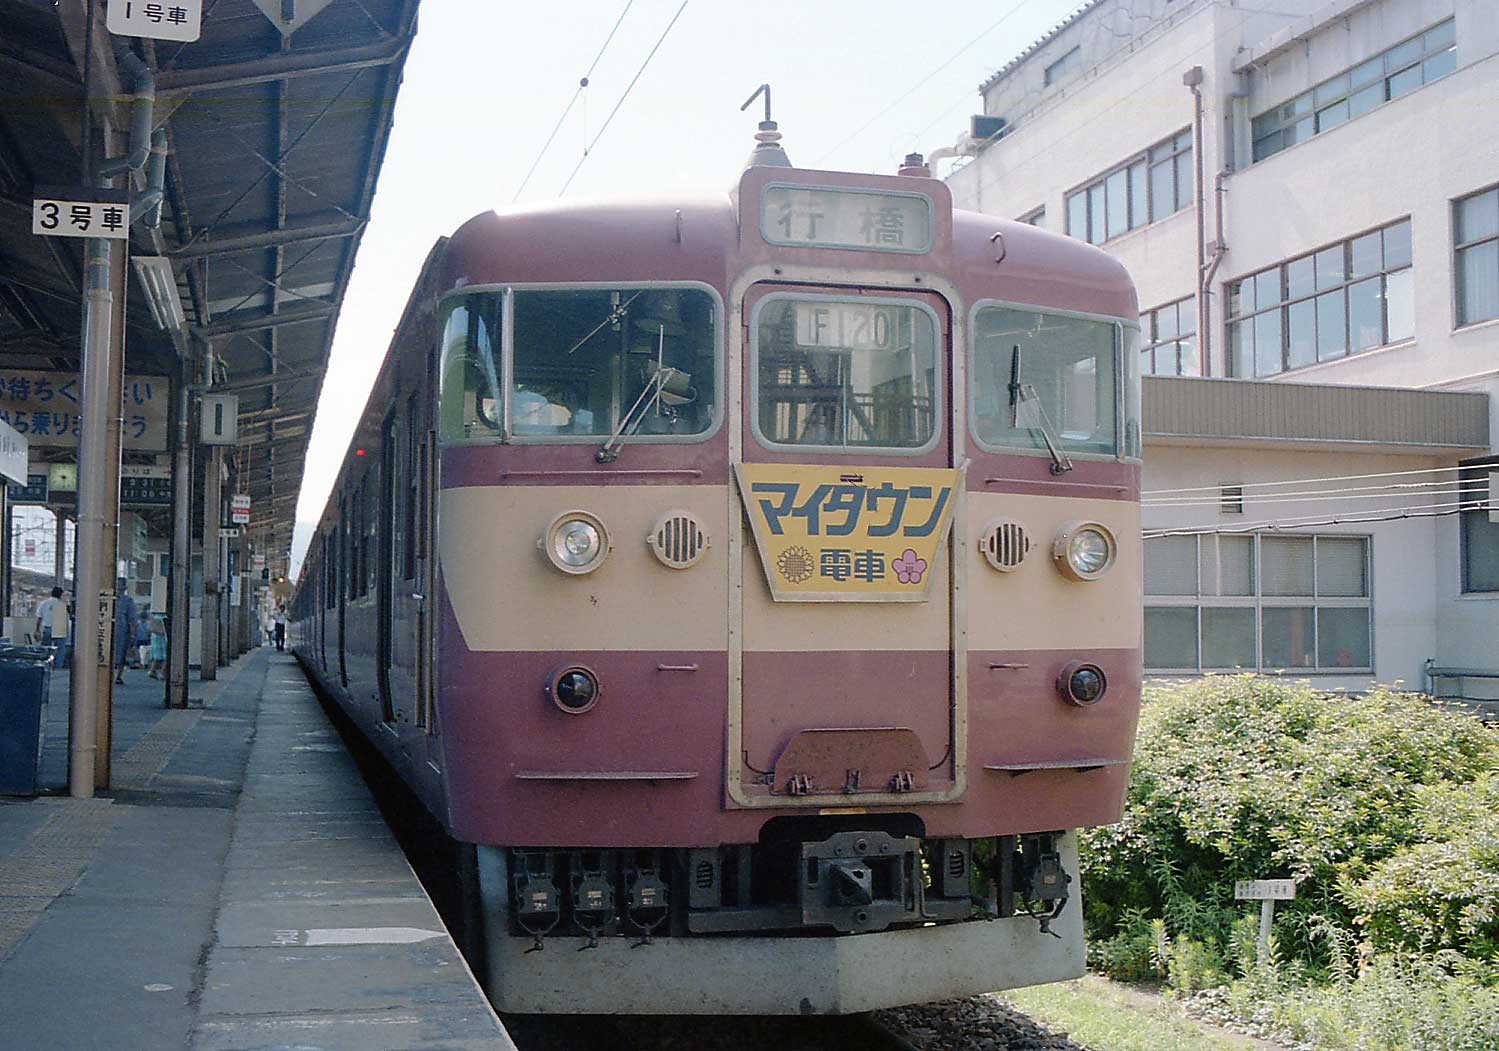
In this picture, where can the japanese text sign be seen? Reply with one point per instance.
(1265, 890)
(80, 212)
(827, 535)
(12, 454)
(145, 485)
(46, 408)
(239, 509)
(157, 19)
(869, 220)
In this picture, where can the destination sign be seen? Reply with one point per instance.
(868, 220)
(825, 537)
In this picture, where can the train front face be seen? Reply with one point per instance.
(791, 580)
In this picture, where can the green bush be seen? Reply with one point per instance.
(1247, 777)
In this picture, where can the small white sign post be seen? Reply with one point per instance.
(157, 19)
(239, 509)
(1267, 892)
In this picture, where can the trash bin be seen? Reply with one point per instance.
(25, 677)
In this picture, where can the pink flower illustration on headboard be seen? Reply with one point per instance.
(908, 568)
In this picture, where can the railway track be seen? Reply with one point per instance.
(703, 1033)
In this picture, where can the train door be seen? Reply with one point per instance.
(849, 484)
(385, 512)
(344, 531)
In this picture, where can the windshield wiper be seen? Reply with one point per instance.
(1024, 393)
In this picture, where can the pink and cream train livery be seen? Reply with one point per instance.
(750, 585)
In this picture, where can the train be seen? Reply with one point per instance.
(749, 583)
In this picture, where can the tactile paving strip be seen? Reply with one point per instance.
(48, 862)
(135, 769)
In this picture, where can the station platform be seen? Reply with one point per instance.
(237, 890)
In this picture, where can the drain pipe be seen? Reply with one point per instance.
(1192, 78)
(141, 114)
(1205, 286)
(147, 207)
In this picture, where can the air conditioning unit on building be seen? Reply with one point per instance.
(983, 127)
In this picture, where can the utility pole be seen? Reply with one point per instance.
(179, 619)
(213, 465)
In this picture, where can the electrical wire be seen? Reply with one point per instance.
(628, 88)
(918, 85)
(1413, 489)
(582, 84)
(1385, 514)
(1246, 486)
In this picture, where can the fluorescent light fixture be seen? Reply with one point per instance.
(160, 284)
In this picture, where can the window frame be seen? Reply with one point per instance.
(1284, 302)
(1149, 343)
(506, 373)
(1035, 217)
(1317, 107)
(1147, 162)
(1458, 320)
(1258, 601)
(941, 378)
(1063, 65)
(1125, 371)
(1480, 467)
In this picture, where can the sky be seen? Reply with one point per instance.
(856, 85)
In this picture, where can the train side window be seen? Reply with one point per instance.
(1068, 370)
(471, 368)
(409, 496)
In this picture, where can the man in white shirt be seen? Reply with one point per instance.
(52, 625)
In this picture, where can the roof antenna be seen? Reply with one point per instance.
(768, 152)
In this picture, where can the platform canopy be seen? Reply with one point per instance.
(276, 122)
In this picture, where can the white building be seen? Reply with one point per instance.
(1305, 193)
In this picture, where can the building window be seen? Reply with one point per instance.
(1383, 78)
(1475, 235)
(1480, 536)
(1036, 218)
(1063, 66)
(1241, 602)
(1348, 297)
(1171, 340)
(1144, 188)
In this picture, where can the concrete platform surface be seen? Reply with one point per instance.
(236, 890)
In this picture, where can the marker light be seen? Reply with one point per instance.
(1084, 550)
(574, 689)
(575, 542)
(1082, 684)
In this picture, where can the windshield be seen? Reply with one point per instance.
(588, 363)
(1040, 376)
(854, 373)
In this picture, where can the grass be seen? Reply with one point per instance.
(1099, 1014)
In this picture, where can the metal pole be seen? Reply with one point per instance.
(8, 540)
(208, 660)
(59, 553)
(179, 620)
(92, 645)
(115, 437)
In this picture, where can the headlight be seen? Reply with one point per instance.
(575, 542)
(1084, 550)
(1082, 684)
(574, 689)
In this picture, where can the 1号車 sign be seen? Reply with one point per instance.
(80, 212)
(157, 19)
(829, 535)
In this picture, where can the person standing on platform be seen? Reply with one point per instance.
(52, 626)
(280, 627)
(143, 639)
(124, 628)
(158, 646)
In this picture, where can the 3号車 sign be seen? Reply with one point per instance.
(79, 211)
(46, 409)
(830, 535)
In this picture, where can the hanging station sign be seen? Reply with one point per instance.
(80, 211)
(145, 485)
(12, 454)
(34, 491)
(46, 408)
(157, 19)
(239, 509)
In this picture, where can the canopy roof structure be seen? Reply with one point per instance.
(276, 122)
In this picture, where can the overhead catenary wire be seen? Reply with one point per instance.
(582, 85)
(1471, 485)
(918, 85)
(588, 150)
